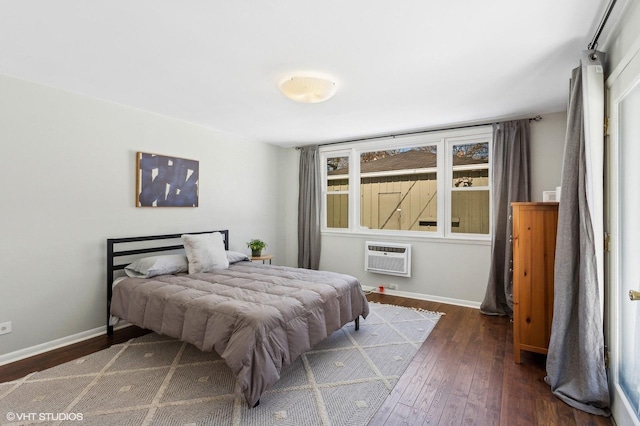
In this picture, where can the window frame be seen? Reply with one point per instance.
(325, 191)
(450, 143)
(444, 140)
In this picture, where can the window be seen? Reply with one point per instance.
(337, 191)
(409, 185)
(470, 194)
(398, 189)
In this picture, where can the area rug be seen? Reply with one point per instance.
(154, 380)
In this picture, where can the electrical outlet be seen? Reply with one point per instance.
(393, 286)
(5, 327)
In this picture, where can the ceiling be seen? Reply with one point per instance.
(399, 66)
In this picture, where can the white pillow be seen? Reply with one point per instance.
(205, 252)
(236, 256)
(148, 267)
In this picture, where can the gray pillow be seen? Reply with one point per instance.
(148, 267)
(236, 256)
(205, 252)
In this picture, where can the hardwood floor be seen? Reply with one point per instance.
(463, 374)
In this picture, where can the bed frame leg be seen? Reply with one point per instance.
(357, 323)
(109, 330)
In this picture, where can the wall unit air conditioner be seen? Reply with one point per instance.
(387, 258)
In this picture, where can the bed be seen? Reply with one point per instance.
(258, 318)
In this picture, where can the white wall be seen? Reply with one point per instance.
(67, 166)
(448, 271)
(287, 210)
(547, 140)
(451, 272)
(623, 39)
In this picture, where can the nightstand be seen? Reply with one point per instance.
(264, 258)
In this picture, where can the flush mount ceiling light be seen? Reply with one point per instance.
(308, 90)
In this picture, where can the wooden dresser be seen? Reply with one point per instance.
(534, 246)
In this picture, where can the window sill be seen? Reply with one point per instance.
(475, 240)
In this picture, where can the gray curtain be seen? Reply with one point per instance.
(309, 194)
(575, 362)
(511, 182)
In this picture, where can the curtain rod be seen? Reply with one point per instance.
(417, 132)
(594, 42)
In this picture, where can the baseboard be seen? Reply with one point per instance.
(427, 297)
(54, 344)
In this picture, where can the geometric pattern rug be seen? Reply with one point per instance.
(155, 380)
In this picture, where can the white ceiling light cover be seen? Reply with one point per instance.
(308, 89)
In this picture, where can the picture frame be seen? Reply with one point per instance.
(166, 181)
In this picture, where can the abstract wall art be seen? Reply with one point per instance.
(163, 181)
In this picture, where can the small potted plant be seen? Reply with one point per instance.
(256, 247)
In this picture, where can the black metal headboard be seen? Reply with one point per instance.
(158, 244)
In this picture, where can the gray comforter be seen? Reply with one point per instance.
(259, 318)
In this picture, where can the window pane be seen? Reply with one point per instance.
(470, 153)
(337, 211)
(470, 212)
(466, 158)
(338, 169)
(334, 185)
(398, 189)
